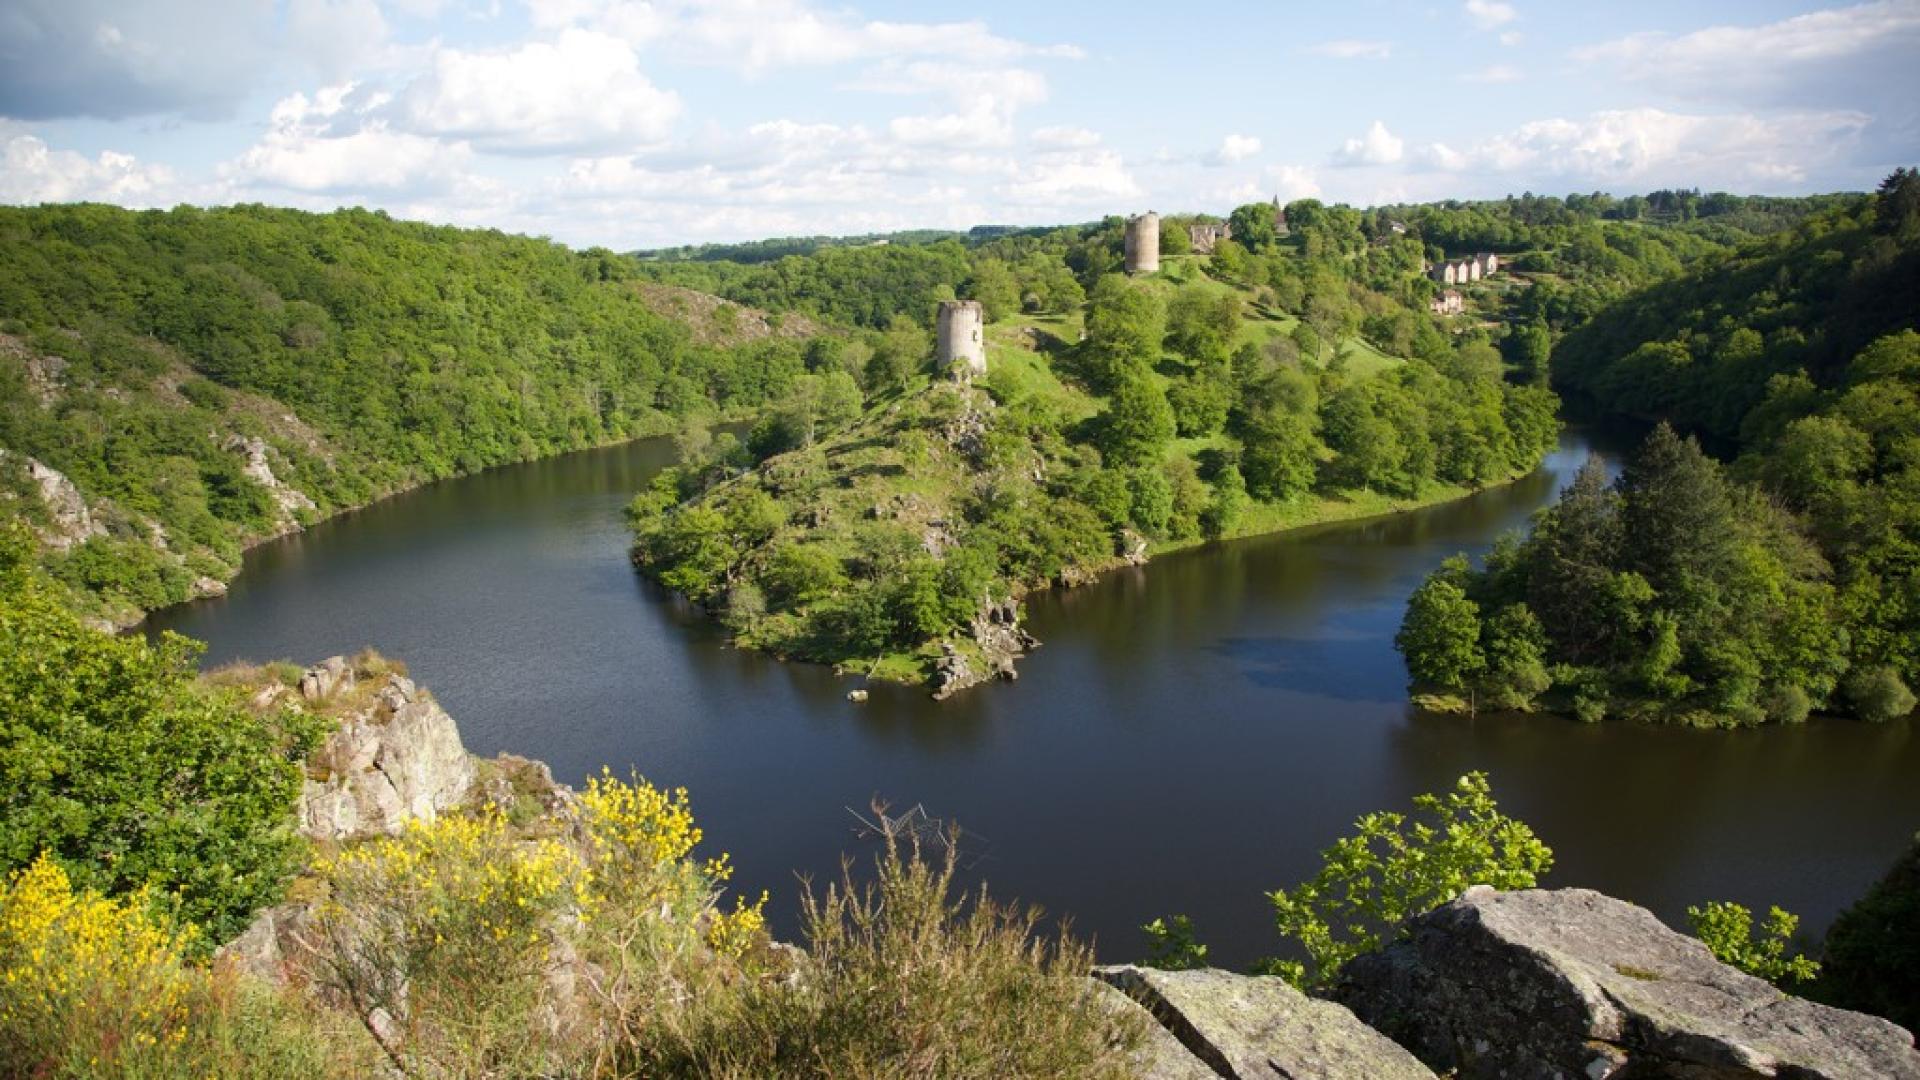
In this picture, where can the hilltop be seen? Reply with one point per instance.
(897, 539)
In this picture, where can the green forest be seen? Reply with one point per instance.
(1292, 374)
(1782, 576)
(206, 378)
(182, 384)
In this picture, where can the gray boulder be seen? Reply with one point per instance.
(1159, 1056)
(1250, 1026)
(395, 757)
(1570, 983)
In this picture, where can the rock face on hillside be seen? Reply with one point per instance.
(1571, 983)
(1252, 1026)
(259, 468)
(69, 520)
(395, 756)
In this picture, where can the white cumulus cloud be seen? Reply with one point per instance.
(1377, 147)
(33, 172)
(1866, 51)
(1652, 147)
(582, 91)
(1290, 182)
(1076, 180)
(332, 143)
(1234, 149)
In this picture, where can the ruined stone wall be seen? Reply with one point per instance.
(1205, 236)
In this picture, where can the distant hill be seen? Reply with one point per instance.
(1700, 348)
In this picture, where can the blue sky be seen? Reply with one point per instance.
(636, 123)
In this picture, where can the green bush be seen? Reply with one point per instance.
(1728, 932)
(1878, 694)
(1872, 959)
(1397, 866)
(129, 771)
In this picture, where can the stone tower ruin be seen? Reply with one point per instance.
(1143, 244)
(960, 330)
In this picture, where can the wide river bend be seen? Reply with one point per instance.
(1189, 736)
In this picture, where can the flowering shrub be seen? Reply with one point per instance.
(438, 939)
(80, 973)
(642, 840)
(121, 764)
(637, 830)
(732, 933)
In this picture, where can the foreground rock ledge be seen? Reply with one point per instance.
(1571, 983)
(1250, 1027)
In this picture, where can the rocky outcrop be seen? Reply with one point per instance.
(396, 755)
(270, 944)
(1571, 983)
(69, 522)
(1159, 1056)
(1257, 1026)
(1001, 640)
(291, 500)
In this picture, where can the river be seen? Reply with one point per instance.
(1191, 734)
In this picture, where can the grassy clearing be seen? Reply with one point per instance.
(1261, 518)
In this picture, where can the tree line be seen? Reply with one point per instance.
(1784, 581)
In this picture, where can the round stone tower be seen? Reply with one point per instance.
(1143, 244)
(960, 328)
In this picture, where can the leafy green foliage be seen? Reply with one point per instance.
(1789, 581)
(1396, 866)
(1440, 636)
(1172, 945)
(1674, 594)
(1728, 932)
(131, 773)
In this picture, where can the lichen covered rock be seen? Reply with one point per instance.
(1568, 982)
(1251, 1026)
(396, 755)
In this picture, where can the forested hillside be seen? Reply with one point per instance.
(198, 379)
(1783, 582)
(1294, 372)
(1158, 411)
(1701, 349)
(175, 385)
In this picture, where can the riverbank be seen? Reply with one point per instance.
(657, 426)
(1261, 520)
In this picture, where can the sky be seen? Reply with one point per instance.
(646, 123)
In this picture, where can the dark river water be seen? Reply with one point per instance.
(1190, 736)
